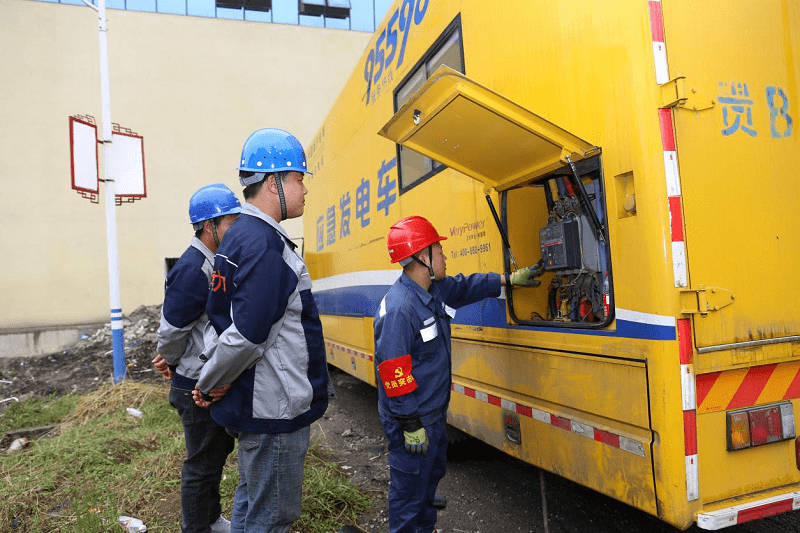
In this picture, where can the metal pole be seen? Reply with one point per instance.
(544, 501)
(118, 339)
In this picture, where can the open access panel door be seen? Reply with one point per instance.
(506, 147)
(476, 131)
(738, 152)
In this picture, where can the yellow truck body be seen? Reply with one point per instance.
(649, 153)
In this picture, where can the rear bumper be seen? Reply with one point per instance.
(745, 512)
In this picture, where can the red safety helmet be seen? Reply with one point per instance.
(409, 236)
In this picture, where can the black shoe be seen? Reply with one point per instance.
(440, 501)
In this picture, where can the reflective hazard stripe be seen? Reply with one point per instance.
(689, 406)
(674, 199)
(679, 268)
(739, 514)
(745, 387)
(348, 351)
(574, 426)
(659, 49)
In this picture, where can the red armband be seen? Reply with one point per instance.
(396, 376)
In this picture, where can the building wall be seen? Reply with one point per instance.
(193, 87)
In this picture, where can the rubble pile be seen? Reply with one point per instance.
(86, 364)
(140, 326)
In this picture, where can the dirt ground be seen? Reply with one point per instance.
(86, 364)
(477, 497)
(350, 430)
(82, 367)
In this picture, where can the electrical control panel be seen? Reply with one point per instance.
(561, 245)
(569, 245)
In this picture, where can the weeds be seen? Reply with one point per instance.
(102, 463)
(329, 500)
(33, 413)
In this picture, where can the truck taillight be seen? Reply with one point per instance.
(787, 414)
(760, 425)
(738, 431)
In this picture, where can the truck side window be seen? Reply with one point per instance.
(413, 167)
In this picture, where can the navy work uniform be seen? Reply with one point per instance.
(180, 342)
(413, 365)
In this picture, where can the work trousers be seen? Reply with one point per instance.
(207, 448)
(270, 490)
(414, 478)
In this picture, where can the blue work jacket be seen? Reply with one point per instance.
(264, 335)
(414, 322)
(183, 315)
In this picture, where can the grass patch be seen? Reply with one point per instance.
(102, 463)
(329, 499)
(34, 413)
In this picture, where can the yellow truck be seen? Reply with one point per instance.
(648, 152)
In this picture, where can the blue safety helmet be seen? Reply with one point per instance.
(213, 201)
(271, 150)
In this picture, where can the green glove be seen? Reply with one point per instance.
(524, 276)
(416, 441)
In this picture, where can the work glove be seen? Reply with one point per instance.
(524, 276)
(416, 441)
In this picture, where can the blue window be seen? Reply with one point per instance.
(357, 15)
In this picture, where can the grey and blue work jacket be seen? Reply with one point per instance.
(412, 344)
(183, 315)
(264, 335)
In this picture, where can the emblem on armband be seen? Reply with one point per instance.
(396, 376)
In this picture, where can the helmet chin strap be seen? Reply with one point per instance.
(281, 197)
(429, 266)
(214, 232)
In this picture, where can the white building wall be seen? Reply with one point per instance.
(193, 87)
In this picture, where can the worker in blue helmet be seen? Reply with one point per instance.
(213, 203)
(266, 339)
(212, 210)
(268, 151)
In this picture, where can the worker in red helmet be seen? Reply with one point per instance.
(413, 365)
